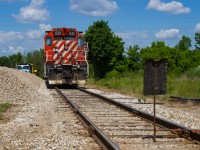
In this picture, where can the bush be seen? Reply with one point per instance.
(193, 73)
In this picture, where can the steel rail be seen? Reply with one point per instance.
(185, 98)
(183, 131)
(102, 139)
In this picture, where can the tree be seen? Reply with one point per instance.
(4, 61)
(197, 39)
(157, 51)
(106, 49)
(36, 58)
(134, 58)
(177, 60)
(12, 60)
(15, 59)
(184, 44)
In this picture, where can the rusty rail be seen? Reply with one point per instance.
(185, 98)
(102, 139)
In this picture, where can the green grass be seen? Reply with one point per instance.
(126, 83)
(185, 85)
(3, 108)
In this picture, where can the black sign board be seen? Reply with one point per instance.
(155, 73)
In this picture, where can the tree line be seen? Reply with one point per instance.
(34, 57)
(107, 55)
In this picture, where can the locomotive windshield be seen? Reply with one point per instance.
(48, 41)
(80, 41)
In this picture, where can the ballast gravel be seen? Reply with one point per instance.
(187, 115)
(40, 121)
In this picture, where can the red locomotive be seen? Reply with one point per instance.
(65, 57)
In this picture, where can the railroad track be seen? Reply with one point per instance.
(176, 98)
(71, 130)
(118, 126)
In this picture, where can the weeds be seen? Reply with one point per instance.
(185, 85)
(3, 108)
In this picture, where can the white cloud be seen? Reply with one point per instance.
(14, 0)
(132, 35)
(168, 34)
(14, 50)
(33, 12)
(94, 7)
(197, 28)
(12, 36)
(35, 34)
(13, 42)
(9, 50)
(173, 7)
(44, 27)
(6, 37)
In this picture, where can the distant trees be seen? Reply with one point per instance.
(180, 58)
(5, 61)
(107, 57)
(197, 39)
(184, 44)
(159, 50)
(35, 58)
(134, 58)
(12, 60)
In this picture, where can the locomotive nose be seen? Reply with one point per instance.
(55, 49)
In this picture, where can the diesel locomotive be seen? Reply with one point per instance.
(65, 57)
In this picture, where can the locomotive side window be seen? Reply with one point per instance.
(48, 41)
(80, 41)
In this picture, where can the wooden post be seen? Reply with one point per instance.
(154, 104)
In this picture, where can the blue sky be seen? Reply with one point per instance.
(23, 22)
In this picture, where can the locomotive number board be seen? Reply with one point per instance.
(58, 32)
